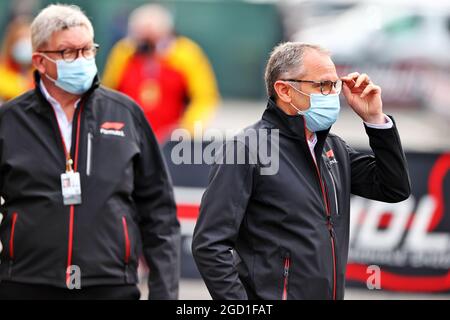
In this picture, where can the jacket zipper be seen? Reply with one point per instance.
(287, 266)
(11, 242)
(334, 189)
(327, 209)
(89, 154)
(72, 207)
(333, 249)
(75, 169)
(127, 246)
(331, 231)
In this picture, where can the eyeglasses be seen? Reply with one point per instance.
(70, 55)
(326, 86)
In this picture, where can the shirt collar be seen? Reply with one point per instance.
(313, 141)
(294, 126)
(49, 98)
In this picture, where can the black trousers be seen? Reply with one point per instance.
(19, 291)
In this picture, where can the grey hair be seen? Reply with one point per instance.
(286, 61)
(54, 18)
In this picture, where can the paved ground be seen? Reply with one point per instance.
(196, 290)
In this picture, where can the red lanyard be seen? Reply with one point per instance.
(69, 161)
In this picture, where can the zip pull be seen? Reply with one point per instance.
(286, 270)
(329, 222)
(287, 264)
(331, 230)
(330, 226)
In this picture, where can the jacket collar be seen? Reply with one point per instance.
(43, 104)
(293, 126)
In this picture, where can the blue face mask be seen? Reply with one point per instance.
(323, 111)
(74, 77)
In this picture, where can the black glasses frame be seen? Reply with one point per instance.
(322, 84)
(95, 47)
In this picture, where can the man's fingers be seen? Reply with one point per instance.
(357, 83)
(371, 88)
(347, 94)
(350, 76)
(349, 82)
(363, 78)
(346, 89)
(350, 79)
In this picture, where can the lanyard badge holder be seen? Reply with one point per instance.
(70, 184)
(70, 180)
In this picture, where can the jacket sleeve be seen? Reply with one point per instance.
(222, 210)
(158, 223)
(383, 175)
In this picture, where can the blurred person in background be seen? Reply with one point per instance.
(168, 75)
(15, 60)
(85, 185)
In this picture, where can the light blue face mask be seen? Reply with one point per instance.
(323, 111)
(74, 77)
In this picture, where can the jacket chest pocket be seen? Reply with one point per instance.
(333, 188)
(332, 179)
(107, 154)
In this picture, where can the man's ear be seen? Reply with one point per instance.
(282, 89)
(38, 62)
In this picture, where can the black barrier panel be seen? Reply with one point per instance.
(407, 244)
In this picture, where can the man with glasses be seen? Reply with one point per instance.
(85, 186)
(286, 235)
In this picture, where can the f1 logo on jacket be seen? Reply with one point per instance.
(330, 156)
(113, 129)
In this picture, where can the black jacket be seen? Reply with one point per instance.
(127, 198)
(290, 231)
